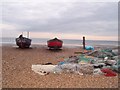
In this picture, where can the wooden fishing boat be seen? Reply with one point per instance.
(23, 42)
(54, 43)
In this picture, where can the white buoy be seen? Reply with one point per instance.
(106, 58)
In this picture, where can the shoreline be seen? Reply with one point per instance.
(64, 45)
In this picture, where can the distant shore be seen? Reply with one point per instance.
(17, 73)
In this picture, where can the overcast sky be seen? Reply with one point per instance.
(63, 19)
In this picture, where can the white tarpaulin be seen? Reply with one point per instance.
(43, 69)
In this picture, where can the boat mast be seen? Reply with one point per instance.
(28, 34)
(22, 33)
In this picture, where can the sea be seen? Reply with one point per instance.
(66, 42)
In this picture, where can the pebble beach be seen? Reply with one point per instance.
(17, 73)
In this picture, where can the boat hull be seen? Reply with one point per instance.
(55, 44)
(23, 43)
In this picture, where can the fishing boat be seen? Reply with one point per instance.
(23, 42)
(54, 43)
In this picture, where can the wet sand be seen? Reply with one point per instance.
(17, 73)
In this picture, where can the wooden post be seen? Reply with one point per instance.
(83, 42)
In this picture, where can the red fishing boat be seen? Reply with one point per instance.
(55, 43)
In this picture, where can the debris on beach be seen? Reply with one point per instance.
(43, 69)
(89, 47)
(82, 52)
(97, 62)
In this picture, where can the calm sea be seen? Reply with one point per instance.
(43, 41)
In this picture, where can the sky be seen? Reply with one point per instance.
(65, 19)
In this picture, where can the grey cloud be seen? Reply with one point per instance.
(85, 18)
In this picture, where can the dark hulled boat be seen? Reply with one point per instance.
(23, 42)
(54, 43)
